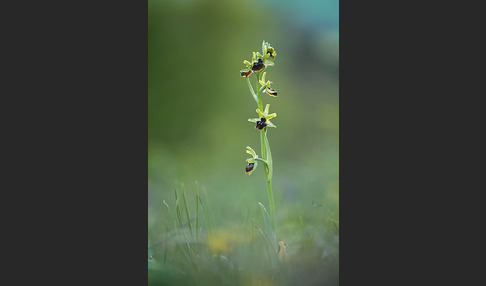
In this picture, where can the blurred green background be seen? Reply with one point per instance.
(198, 106)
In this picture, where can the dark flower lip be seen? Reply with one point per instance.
(258, 65)
(249, 168)
(247, 73)
(261, 124)
(272, 92)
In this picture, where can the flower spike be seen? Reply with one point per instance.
(258, 64)
(259, 61)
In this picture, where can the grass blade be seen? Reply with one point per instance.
(178, 210)
(208, 215)
(268, 156)
(197, 211)
(185, 206)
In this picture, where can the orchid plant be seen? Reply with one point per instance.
(257, 66)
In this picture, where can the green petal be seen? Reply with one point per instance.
(270, 124)
(250, 151)
(247, 63)
(260, 112)
(270, 116)
(267, 107)
(254, 120)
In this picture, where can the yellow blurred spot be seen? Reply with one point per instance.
(222, 240)
(256, 282)
(219, 245)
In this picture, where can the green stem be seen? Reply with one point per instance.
(269, 175)
(270, 198)
(257, 99)
(268, 168)
(262, 139)
(262, 144)
(260, 103)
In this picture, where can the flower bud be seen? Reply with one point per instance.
(272, 52)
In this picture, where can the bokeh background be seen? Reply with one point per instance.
(198, 106)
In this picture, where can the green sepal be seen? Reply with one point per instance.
(262, 79)
(260, 113)
(267, 108)
(270, 116)
(268, 63)
(270, 124)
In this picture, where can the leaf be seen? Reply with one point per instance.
(270, 237)
(269, 157)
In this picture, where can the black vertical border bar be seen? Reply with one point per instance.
(401, 188)
(79, 72)
(126, 197)
(373, 193)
